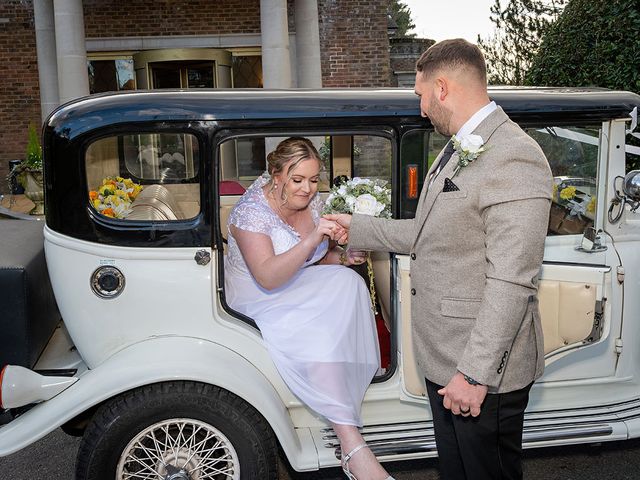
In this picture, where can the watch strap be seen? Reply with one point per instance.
(470, 380)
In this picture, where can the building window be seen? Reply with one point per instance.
(247, 71)
(111, 75)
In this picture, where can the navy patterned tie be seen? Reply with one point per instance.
(446, 155)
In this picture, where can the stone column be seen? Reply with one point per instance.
(73, 79)
(308, 44)
(46, 51)
(276, 61)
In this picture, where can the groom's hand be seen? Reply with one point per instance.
(344, 220)
(462, 398)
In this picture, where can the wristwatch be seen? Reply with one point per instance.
(470, 380)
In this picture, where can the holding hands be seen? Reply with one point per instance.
(336, 227)
(327, 228)
(342, 220)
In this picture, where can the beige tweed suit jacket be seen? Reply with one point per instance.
(475, 258)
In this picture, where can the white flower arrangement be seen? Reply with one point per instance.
(360, 195)
(469, 148)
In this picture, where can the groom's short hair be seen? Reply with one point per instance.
(452, 54)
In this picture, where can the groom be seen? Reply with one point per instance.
(476, 246)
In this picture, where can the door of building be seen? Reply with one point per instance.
(183, 68)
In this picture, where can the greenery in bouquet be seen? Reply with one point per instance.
(360, 195)
(114, 196)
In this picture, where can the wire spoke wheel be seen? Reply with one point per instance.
(179, 449)
(177, 430)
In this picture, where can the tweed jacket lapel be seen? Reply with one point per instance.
(430, 193)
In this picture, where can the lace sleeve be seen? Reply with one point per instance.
(251, 217)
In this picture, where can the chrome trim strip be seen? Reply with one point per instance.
(553, 425)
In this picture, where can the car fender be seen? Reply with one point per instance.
(162, 359)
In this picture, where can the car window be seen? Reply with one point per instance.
(143, 176)
(242, 160)
(572, 153)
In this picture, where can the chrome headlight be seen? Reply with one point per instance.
(631, 185)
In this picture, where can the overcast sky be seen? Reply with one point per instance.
(439, 19)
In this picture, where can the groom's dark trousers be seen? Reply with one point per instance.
(487, 447)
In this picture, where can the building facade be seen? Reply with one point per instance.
(55, 50)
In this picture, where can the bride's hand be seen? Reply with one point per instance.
(324, 228)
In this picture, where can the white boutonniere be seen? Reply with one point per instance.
(468, 148)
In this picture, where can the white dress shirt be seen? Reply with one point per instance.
(475, 120)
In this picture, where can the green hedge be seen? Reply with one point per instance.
(593, 43)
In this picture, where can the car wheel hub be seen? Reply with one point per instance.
(179, 449)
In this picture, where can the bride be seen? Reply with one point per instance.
(314, 314)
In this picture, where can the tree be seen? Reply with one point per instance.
(400, 13)
(591, 44)
(520, 25)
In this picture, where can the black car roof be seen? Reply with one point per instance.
(95, 111)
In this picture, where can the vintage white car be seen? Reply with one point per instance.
(146, 360)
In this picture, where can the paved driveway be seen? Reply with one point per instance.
(52, 458)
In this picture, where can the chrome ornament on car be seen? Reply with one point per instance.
(107, 282)
(631, 185)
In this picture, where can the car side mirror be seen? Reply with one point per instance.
(630, 195)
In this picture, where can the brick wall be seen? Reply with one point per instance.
(116, 18)
(19, 90)
(354, 43)
(404, 54)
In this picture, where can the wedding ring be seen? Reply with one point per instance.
(465, 411)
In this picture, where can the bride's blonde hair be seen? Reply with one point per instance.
(292, 151)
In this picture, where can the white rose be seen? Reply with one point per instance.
(342, 190)
(472, 143)
(367, 205)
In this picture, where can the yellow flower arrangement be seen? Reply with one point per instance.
(114, 196)
(574, 200)
(568, 193)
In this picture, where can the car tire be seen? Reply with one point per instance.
(166, 427)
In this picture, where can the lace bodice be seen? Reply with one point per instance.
(253, 213)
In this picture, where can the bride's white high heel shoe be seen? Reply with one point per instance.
(347, 457)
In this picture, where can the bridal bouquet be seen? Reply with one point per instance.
(114, 196)
(360, 195)
(364, 196)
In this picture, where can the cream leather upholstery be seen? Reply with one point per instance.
(226, 205)
(155, 202)
(567, 311)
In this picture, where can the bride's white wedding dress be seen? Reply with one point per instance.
(318, 327)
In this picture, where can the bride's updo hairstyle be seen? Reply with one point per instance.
(290, 153)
